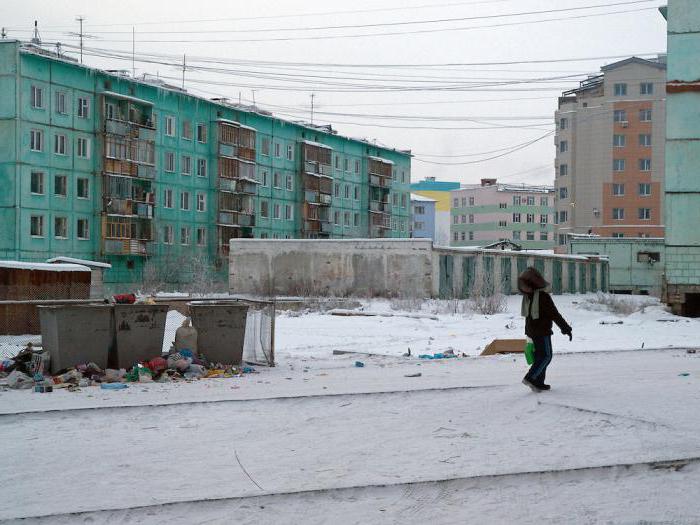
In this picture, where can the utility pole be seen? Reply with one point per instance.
(312, 107)
(133, 51)
(253, 97)
(80, 19)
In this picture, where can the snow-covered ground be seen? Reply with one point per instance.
(317, 439)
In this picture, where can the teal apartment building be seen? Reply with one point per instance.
(98, 165)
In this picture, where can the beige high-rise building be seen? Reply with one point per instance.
(610, 153)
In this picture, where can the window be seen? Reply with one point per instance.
(516, 217)
(186, 130)
(167, 198)
(264, 209)
(455, 236)
(644, 189)
(516, 200)
(645, 140)
(644, 214)
(455, 203)
(544, 201)
(186, 165)
(620, 115)
(516, 235)
(201, 202)
(83, 229)
(618, 189)
(60, 185)
(265, 147)
(289, 183)
(544, 236)
(60, 102)
(170, 126)
(394, 199)
(645, 115)
(619, 141)
(169, 161)
(530, 218)
(37, 96)
(185, 200)
(563, 146)
(462, 236)
(60, 227)
(471, 219)
(337, 162)
(403, 200)
(564, 193)
(59, 144)
(357, 193)
(276, 180)
(167, 234)
(502, 224)
(36, 225)
(336, 189)
(403, 180)
(184, 235)
(275, 211)
(618, 214)
(464, 202)
(455, 219)
(530, 236)
(357, 166)
(290, 152)
(471, 201)
(471, 236)
(201, 167)
(618, 164)
(278, 150)
(620, 90)
(646, 88)
(419, 210)
(36, 140)
(562, 239)
(544, 218)
(347, 191)
(110, 111)
(648, 257)
(644, 164)
(83, 148)
(463, 219)
(37, 183)
(201, 137)
(83, 188)
(503, 205)
(201, 236)
(531, 200)
(346, 218)
(288, 212)
(263, 178)
(563, 123)
(563, 216)
(346, 164)
(83, 107)
(417, 225)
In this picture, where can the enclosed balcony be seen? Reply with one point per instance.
(126, 236)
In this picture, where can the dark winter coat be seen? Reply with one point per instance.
(548, 314)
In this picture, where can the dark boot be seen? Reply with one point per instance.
(533, 386)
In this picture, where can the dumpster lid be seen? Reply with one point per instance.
(45, 267)
(82, 262)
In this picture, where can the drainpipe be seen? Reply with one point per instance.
(18, 200)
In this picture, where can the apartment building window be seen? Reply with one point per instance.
(60, 185)
(202, 133)
(347, 191)
(646, 88)
(60, 103)
(186, 130)
(36, 225)
(620, 89)
(83, 188)
(618, 189)
(394, 199)
(403, 179)
(462, 236)
(36, 140)
(503, 205)
(455, 219)
(530, 236)
(563, 216)
(645, 115)
(644, 189)
(275, 211)
(83, 148)
(169, 161)
(403, 200)
(471, 236)
(357, 166)
(83, 107)
(530, 218)
(455, 236)
(167, 234)
(564, 192)
(530, 200)
(201, 167)
(618, 164)
(167, 198)
(170, 126)
(544, 201)
(644, 164)
(563, 123)
(464, 202)
(644, 214)
(276, 180)
(617, 235)
(502, 224)
(186, 165)
(263, 178)
(201, 236)
(201, 202)
(36, 185)
(417, 225)
(419, 210)
(455, 203)
(463, 218)
(336, 189)
(265, 146)
(516, 235)
(264, 212)
(185, 236)
(357, 193)
(563, 146)
(185, 200)
(59, 144)
(289, 183)
(393, 174)
(278, 150)
(346, 164)
(620, 115)
(37, 97)
(544, 236)
(60, 227)
(471, 201)
(290, 152)
(83, 229)
(346, 218)
(544, 218)
(618, 214)
(471, 219)
(645, 140)
(516, 217)
(619, 141)
(516, 200)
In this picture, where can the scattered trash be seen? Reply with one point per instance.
(417, 374)
(113, 386)
(359, 364)
(408, 354)
(440, 355)
(43, 389)
(19, 380)
(611, 322)
(684, 374)
(690, 351)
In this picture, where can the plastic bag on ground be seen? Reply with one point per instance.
(186, 337)
(19, 380)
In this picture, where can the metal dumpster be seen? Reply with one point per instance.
(220, 330)
(75, 334)
(139, 330)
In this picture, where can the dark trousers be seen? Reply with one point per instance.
(543, 356)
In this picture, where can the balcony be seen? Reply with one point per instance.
(325, 199)
(379, 206)
(126, 247)
(236, 218)
(326, 227)
(311, 197)
(380, 221)
(130, 129)
(379, 182)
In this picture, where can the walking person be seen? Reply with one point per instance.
(539, 312)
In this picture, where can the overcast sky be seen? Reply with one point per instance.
(356, 100)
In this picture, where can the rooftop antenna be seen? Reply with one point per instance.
(36, 39)
(80, 19)
(3, 33)
(312, 107)
(58, 48)
(184, 66)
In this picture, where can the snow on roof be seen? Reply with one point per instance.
(45, 267)
(135, 100)
(234, 123)
(83, 262)
(420, 198)
(317, 144)
(380, 159)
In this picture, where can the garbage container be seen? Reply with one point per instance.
(139, 330)
(75, 334)
(220, 330)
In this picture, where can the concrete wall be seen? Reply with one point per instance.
(396, 268)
